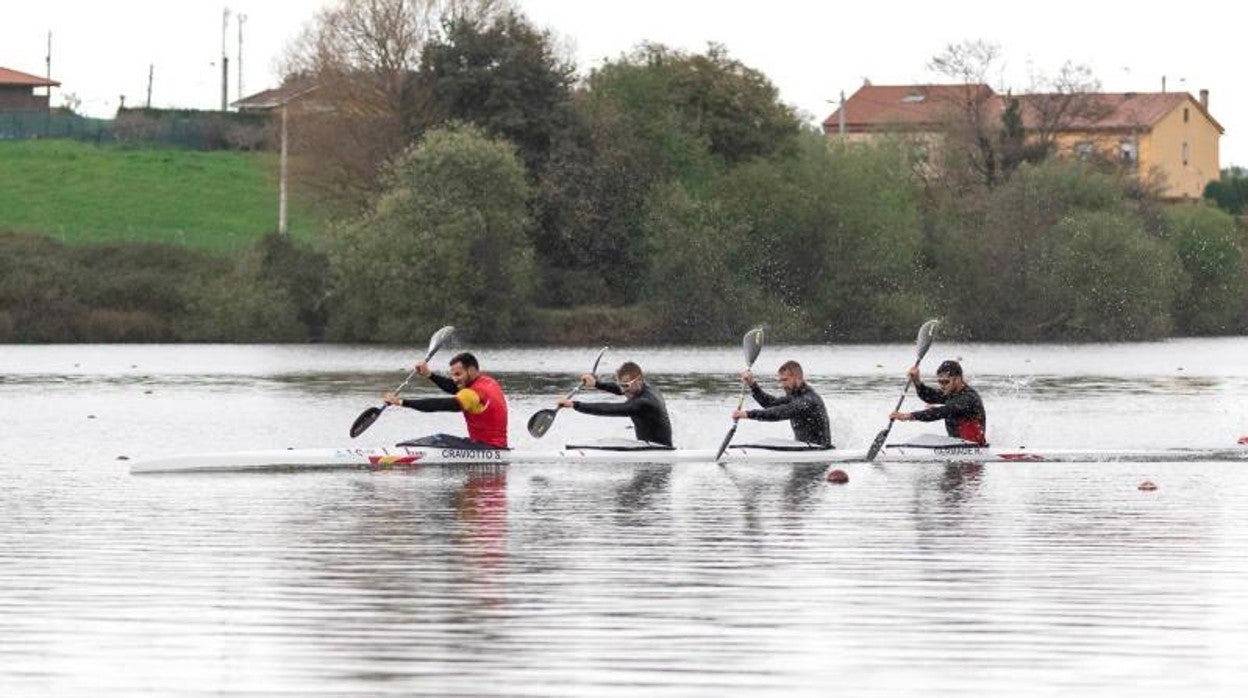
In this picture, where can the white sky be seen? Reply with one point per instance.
(811, 49)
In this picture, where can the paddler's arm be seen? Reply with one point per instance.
(765, 399)
(628, 408)
(446, 383)
(425, 404)
(957, 406)
(785, 408)
(608, 386)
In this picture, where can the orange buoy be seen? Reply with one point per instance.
(1147, 486)
(838, 477)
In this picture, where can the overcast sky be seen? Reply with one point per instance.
(811, 49)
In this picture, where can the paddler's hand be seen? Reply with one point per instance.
(423, 369)
(392, 399)
(900, 416)
(564, 402)
(913, 373)
(589, 380)
(747, 378)
(740, 414)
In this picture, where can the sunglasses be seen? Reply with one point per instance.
(944, 381)
(628, 384)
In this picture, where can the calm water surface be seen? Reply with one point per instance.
(680, 580)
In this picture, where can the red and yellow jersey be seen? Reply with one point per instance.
(485, 411)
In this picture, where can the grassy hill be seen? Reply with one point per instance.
(86, 193)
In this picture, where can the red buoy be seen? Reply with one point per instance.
(838, 477)
(1147, 486)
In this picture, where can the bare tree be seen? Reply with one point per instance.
(356, 60)
(974, 117)
(1056, 103)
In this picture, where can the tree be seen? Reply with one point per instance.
(448, 238)
(991, 135)
(1055, 103)
(355, 61)
(831, 235)
(973, 124)
(1210, 251)
(1230, 191)
(503, 75)
(732, 108)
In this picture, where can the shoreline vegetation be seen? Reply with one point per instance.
(667, 197)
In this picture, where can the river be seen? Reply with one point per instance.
(561, 580)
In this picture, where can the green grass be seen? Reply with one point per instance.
(86, 193)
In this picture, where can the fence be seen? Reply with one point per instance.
(186, 128)
(46, 124)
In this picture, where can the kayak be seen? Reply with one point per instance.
(924, 449)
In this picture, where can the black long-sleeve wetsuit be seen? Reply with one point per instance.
(962, 411)
(803, 408)
(646, 409)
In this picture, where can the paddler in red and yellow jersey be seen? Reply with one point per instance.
(956, 402)
(478, 396)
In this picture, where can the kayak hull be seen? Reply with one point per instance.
(385, 457)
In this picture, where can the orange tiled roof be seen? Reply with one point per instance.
(1111, 111)
(886, 107)
(13, 77)
(275, 97)
(876, 106)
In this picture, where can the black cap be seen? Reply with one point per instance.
(950, 367)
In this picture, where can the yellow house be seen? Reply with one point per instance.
(1166, 138)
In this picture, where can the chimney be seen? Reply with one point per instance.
(1204, 99)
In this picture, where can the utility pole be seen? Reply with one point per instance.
(281, 196)
(242, 19)
(151, 69)
(841, 112)
(225, 60)
(48, 60)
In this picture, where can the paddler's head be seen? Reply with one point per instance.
(630, 378)
(464, 369)
(949, 377)
(790, 376)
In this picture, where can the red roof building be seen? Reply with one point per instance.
(17, 91)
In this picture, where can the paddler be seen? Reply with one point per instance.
(956, 402)
(478, 396)
(800, 405)
(643, 404)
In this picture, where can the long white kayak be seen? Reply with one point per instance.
(920, 450)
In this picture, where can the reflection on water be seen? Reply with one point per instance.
(572, 580)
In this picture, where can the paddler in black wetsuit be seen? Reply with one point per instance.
(956, 402)
(800, 405)
(643, 404)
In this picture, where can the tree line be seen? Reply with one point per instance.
(666, 195)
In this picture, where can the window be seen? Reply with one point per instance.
(1185, 115)
(1130, 151)
(1084, 150)
(1187, 153)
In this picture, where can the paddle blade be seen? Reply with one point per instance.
(598, 360)
(723, 446)
(923, 341)
(878, 444)
(365, 420)
(439, 338)
(752, 344)
(540, 422)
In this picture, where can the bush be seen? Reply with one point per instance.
(448, 241)
(1210, 251)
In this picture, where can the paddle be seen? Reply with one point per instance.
(921, 344)
(752, 344)
(370, 415)
(541, 420)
